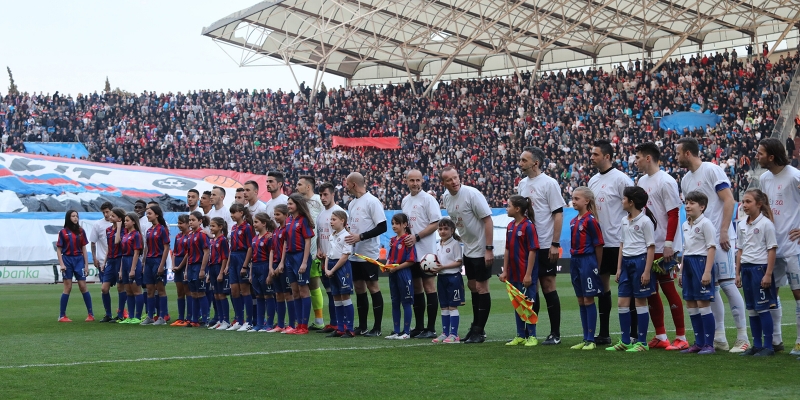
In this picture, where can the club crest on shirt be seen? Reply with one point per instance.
(756, 231)
(399, 246)
(447, 250)
(519, 233)
(636, 227)
(697, 230)
(580, 227)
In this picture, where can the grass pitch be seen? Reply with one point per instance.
(44, 359)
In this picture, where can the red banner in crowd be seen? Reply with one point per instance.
(387, 143)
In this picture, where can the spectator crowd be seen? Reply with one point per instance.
(478, 125)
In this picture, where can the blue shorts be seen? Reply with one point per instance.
(326, 282)
(180, 275)
(584, 273)
(111, 271)
(400, 286)
(692, 276)
(220, 287)
(630, 278)
(755, 297)
(342, 280)
(74, 267)
(127, 261)
(451, 289)
(260, 270)
(196, 284)
(292, 268)
(151, 276)
(235, 263)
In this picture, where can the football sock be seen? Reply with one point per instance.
(151, 305)
(584, 321)
(348, 313)
(697, 326)
(396, 316)
(225, 306)
(190, 308)
(107, 303)
(718, 309)
(304, 317)
(433, 310)
(122, 299)
(797, 320)
(485, 307)
(520, 325)
(475, 300)
(298, 311)
(333, 316)
(604, 308)
(656, 314)
(260, 307)
(87, 300)
(766, 327)
(247, 300)
(64, 301)
(755, 328)
(709, 325)
(195, 310)
(377, 310)
(139, 299)
(554, 312)
(271, 306)
(362, 302)
(536, 303)
(446, 322)
(406, 318)
(157, 305)
(777, 314)
(419, 310)
(675, 307)
(291, 310)
(281, 314)
(204, 308)
(454, 320)
(644, 321)
(634, 320)
(591, 321)
(131, 306)
(182, 308)
(736, 303)
(531, 330)
(235, 303)
(340, 315)
(625, 324)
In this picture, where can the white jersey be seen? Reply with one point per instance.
(545, 195)
(783, 191)
(662, 190)
(314, 207)
(324, 229)
(257, 208)
(98, 236)
(607, 188)
(699, 237)
(755, 238)
(422, 210)
(637, 235)
(467, 209)
(223, 213)
(365, 213)
(269, 207)
(448, 253)
(338, 246)
(144, 225)
(710, 179)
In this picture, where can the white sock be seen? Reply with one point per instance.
(736, 303)
(777, 313)
(319, 321)
(718, 308)
(662, 337)
(681, 337)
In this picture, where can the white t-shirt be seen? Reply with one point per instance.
(98, 236)
(422, 210)
(144, 225)
(707, 179)
(467, 208)
(315, 208)
(637, 235)
(664, 196)
(545, 195)
(699, 237)
(257, 208)
(223, 213)
(324, 229)
(338, 246)
(607, 189)
(448, 253)
(784, 199)
(365, 213)
(269, 207)
(755, 238)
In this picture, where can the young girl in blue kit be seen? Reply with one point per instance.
(586, 254)
(401, 257)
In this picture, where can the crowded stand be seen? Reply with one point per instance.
(478, 125)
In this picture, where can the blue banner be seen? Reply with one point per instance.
(691, 120)
(68, 150)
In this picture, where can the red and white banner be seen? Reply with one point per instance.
(386, 143)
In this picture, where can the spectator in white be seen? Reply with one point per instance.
(327, 196)
(781, 184)
(423, 214)
(275, 180)
(710, 179)
(218, 208)
(305, 186)
(251, 198)
(367, 222)
(468, 208)
(192, 200)
(548, 207)
(607, 185)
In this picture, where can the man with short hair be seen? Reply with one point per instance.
(251, 198)
(608, 185)
(205, 202)
(275, 181)
(99, 242)
(548, 209)
(470, 211)
(423, 219)
(367, 222)
(305, 186)
(711, 180)
(218, 208)
(192, 200)
(239, 197)
(327, 193)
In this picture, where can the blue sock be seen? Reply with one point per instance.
(131, 300)
(306, 307)
(190, 307)
(155, 309)
(247, 300)
(271, 305)
(261, 305)
(107, 303)
(339, 315)
(195, 310)
(226, 309)
(182, 309)
(709, 325)
(139, 305)
(520, 325)
(123, 298)
(396, 316)
(446, 322)
(151, 306)
(204, 309)
(697, 326)
(333, 317)
(591, 321)
(584, 322)
(281, 314)
(237, 309)
(64, 301)
(531, 330)
(163, 306)
(455, 317)
(643, 321)
(292, 311)
(349, 314)
(768, 327)
(87, 300)
(625, 323)
(407, 318)
(211, 302)
(755, 328)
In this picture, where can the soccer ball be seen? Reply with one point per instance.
(428, 262)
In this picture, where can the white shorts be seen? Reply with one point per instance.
(724, 264)
(787, 272)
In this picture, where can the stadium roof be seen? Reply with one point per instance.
(383, 40)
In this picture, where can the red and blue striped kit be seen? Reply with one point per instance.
(241, 237)
(297, 231)
(131, 241)
(520, 241)
(114, 249)
(399, 252)
(198, 241)
(157, 236)
(585, 234)
(70, 243)
(181, 244)
(261, 245)
(219, 250)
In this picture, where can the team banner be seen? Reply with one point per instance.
(387, 143)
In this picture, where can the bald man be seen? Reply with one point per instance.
(367, 222)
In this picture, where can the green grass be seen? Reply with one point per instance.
(44, 359)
